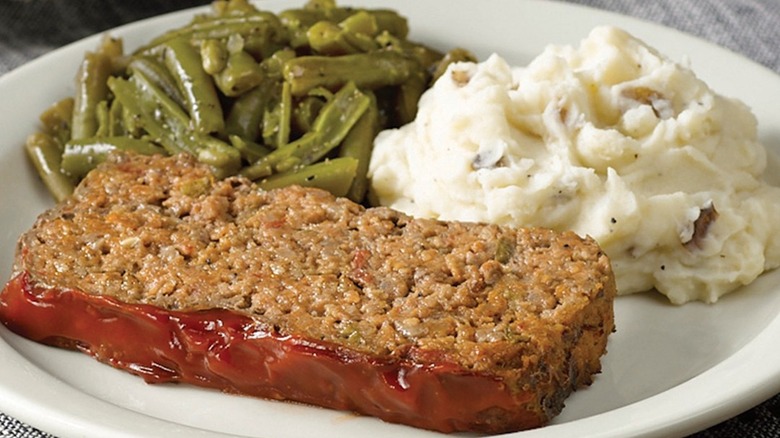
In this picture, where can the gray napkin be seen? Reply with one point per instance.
(749, 27)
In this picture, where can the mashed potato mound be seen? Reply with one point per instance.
(609, 139)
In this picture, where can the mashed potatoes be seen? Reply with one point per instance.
(609, 139)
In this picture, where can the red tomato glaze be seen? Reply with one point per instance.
(234, 353)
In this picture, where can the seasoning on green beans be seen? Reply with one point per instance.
(290, 98)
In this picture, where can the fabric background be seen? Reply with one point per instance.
(30, 28)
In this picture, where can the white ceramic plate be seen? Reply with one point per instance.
(670, 370)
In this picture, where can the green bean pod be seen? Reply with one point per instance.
(246, 115)
(361, 22)
(116, 119)
(358, 144)
(334, 175)
(298, 21)
(168, 124)
(451, 57)
(243, 87)
(200, 95)
(264, 24)
(46, 156)
(276, 120)
(158, 74)
(408, 96)
(231, 7)
(83, 155)
(331, 126)
(57, 118)
(224, 159)
(367, 70)
(390, 21)
(261, 47)
(90, 90)
(148, 108)
(328, 38)
(102, 116)
(113, 49)
(250, 151)
(241, 74)
(320, 5)
(214, 55)
(273, 66)
(306, 112)
(132, 122)
(354, 34)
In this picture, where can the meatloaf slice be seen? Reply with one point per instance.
(156, 267)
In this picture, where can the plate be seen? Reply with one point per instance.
(670, 370)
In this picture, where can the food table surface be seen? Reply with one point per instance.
(31, 28)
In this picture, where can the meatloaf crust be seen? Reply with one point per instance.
(450, 310)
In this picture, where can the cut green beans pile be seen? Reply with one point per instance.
(289, 98)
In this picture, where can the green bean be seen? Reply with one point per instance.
(246, 114)
(298, 21)
(361, 42)
(101, 114)
(334, 175)
(426, 56)
(158, 74)
(132, 122)
(409, 94)
(169, 125)
(113, 49)
(332, 39)
(57, 118)
(238, 86)
(81, 156)
(276, 121)
(257, 43)
(261, 47)
(143, 104)
(214, 55)
(451, 57)
(367, 70)
(361, 22)
(391, 22)
(251, 151)
(306, 112)
(227, 7)
(358, 144)
(90, 90)
(259, 23)
(200, 95)
(241, 74)
(273, 66)
(354, 34)
(115, 118)
(45, 154)
(224, 159)
(331, 126)
(320, 5)
(329, 39)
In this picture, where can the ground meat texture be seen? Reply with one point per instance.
(527, 309)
